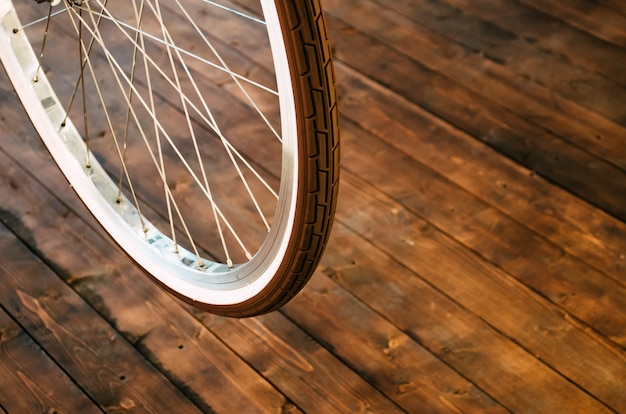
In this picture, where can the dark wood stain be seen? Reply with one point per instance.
(477, 264)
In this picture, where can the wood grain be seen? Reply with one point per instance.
(477, 263)
(30, 381)
(111, 371)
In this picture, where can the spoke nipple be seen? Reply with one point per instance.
(88, 165)
(248, 255)
(230, 264)
(15, 30)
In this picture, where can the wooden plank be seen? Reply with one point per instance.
(533, 102)
(423, 136)
(29, 380)
(505, 47)
(307, 384)
(146, 315)
(97, 287)
(504, 130)
(549, 34)
(298, 365)
(615, 5)
(398, 364)
(460, 339)
(462, 281)
(95, 273)
(496, 298)
(179, 356)
(502, 240)
(90, 351)
(105, 283)
(426, 385)
(531, 210)
(193, 358)
(303, 397)
(595, 18)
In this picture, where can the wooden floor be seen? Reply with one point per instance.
(477, 264)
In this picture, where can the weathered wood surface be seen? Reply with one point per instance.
(478, 261)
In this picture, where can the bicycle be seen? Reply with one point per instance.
(202, 135)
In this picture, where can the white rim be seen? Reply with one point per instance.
(215, 284)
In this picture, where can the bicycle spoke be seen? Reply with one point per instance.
(104, 107)
(43, 43)
(84, 98)
(224, 65)
(82, 70)
(121, 78)
(210, 120)
(226, 143)
(167, 194)
(176, 56)
(233, 11)
(41, 19)
(138, 18)
(181, 146)
(192, 134)
(186, 52)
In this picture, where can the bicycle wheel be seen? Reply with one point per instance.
(201, 134)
